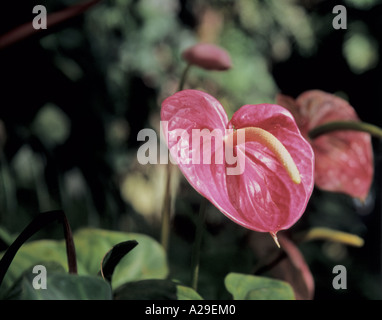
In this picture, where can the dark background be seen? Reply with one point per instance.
(74, 97)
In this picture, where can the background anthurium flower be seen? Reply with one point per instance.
(343, 159)
(263, 198)
(207, 56)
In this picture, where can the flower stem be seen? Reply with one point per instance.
(197, 244)
(346, 125)
(184, 77)
(166, 209)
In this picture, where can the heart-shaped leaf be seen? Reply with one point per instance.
(61, 286)
(248, 287)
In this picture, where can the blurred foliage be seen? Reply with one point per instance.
(74, 99)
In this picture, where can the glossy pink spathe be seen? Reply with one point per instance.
(344, 159)
(263, 198)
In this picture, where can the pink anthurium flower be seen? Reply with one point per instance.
(343, 159)
(271, 191)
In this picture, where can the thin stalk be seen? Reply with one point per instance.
(346, 125)
(197, 245)
(166, 209)
(42, 220)
(184, 77)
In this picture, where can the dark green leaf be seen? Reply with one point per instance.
(5, 239)
(187, 293)
(146, 290)
(5, 236)
(41, 221)
(59, 286)
(248, 287)
(155, 290)
(146, 262)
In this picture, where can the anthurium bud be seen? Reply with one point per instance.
(207, 56)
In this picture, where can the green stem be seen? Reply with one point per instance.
(346, 125)
(197, 244)
(166, 210)
(184, 77)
